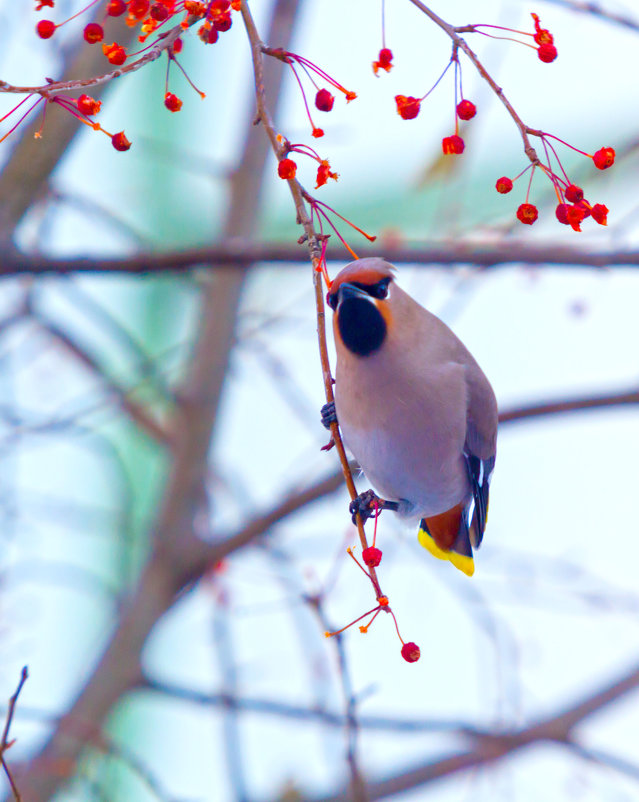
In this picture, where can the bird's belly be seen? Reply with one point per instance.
(431, 479)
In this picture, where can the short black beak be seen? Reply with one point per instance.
(347, 290)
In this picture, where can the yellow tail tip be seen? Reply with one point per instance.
(463, 563)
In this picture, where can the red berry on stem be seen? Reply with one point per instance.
(600, 214)
(116, 8)
(120, 142)
(466, 110)
(411, 652)
(286, 168)
(604, 158)
(93, 33)
(324, 100)
(527, 213)
(138, 8)
(159, 12)
(45, 28)
(172, 102)
(453, 145)
(372, 556)
(407, 107)
(547, 53)
(88, 105)
(561, 213)
(574, 193)
(503, 185)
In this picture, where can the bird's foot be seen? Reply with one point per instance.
(329, 416)
(367, 504)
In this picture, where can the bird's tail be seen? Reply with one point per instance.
(446, 536)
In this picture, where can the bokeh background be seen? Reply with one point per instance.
(112, 382)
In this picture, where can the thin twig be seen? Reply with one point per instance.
(5, 744)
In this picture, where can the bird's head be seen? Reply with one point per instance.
(360, 296)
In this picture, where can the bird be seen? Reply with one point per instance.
(415, 410)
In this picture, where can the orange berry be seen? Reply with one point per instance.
(115, 53)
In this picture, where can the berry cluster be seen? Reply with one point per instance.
(572, 207)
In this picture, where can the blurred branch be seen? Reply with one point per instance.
(491, 747)
(597, 10)
(238, 255)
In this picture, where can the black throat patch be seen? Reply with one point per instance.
(361, 325)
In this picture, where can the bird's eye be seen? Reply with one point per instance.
(380, 290)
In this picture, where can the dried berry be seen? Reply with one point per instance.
(88, 105)
(172, 102)
(120, 142)
(574, 193)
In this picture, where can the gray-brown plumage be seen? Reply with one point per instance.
(414, 408)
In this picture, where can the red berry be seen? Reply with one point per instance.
(115, 53)
(159, 12)
(208, 35)
(116, 8)
(177, 46)
(453, 145)
(466, 110)
(407, 107)
(88, 105)
(223, 22)
(317, 132)
(574, 193)
(561, 213)
(120, 142)
(504, 185)
(172, 102)
(93, 33)
(604, 158)
(45, 28)
(547, 53)
(600, 214)
(411, 652)
(138, 8)
(527, 213)
(372, 557)
(324, 100)
(385, 57)
(286, 168)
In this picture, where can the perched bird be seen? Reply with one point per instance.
(415, 410)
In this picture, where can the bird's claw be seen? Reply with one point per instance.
(329, 416)
(364, 505)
